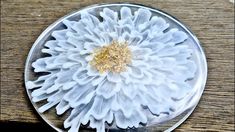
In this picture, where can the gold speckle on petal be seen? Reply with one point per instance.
(113, 57)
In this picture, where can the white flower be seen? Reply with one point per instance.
(152, 84)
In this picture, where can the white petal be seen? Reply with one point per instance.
(114, 77)
(60, 34)
(135, 38)
(126, 36)
(142, 16)
(53, 88)
(65, 75)
(92, 39)
(110, 14)
(94, 20)
(68, 23)
(39, 65)
(56, 96)
(179, 37)
(124, 104)
(168, 51)
(110, 19)
(100, 107)
(165, 37)
(79, 44)
(107, 38)
(52, 101)
(74, 120)
(98, 80)
(137, 72)
(83, 99)
(49, 51)
(51, 44)
(126, 76)
(62, 107)
(168, 63)
(78, 58)
(69, 85)
(38, 82)
(158, 24)
(69, 64)
(109, 117)
(130, 90)
(107, 89)
(47, 106)
(82, 77)
(38, 92)
(125, 13)
(65, 45)
(79, 27)
(126, 22)
(40, 97)
(47, 84)
(79, 95)
(89, 58)
(140, 53)
(90, 46)
(91, 71)
(99, 125)
(133, 121)
(189, 69)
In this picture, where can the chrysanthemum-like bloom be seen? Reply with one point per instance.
(118, 68)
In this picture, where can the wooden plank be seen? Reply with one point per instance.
(212, 21)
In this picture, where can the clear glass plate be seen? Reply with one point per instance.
(198, 82)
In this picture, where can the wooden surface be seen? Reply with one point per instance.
(212, 21)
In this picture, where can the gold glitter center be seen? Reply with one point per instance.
(113, 57)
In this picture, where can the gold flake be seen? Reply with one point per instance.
(113, 57)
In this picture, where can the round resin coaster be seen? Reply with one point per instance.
(115, 67)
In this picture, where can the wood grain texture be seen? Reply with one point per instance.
(212, 21)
